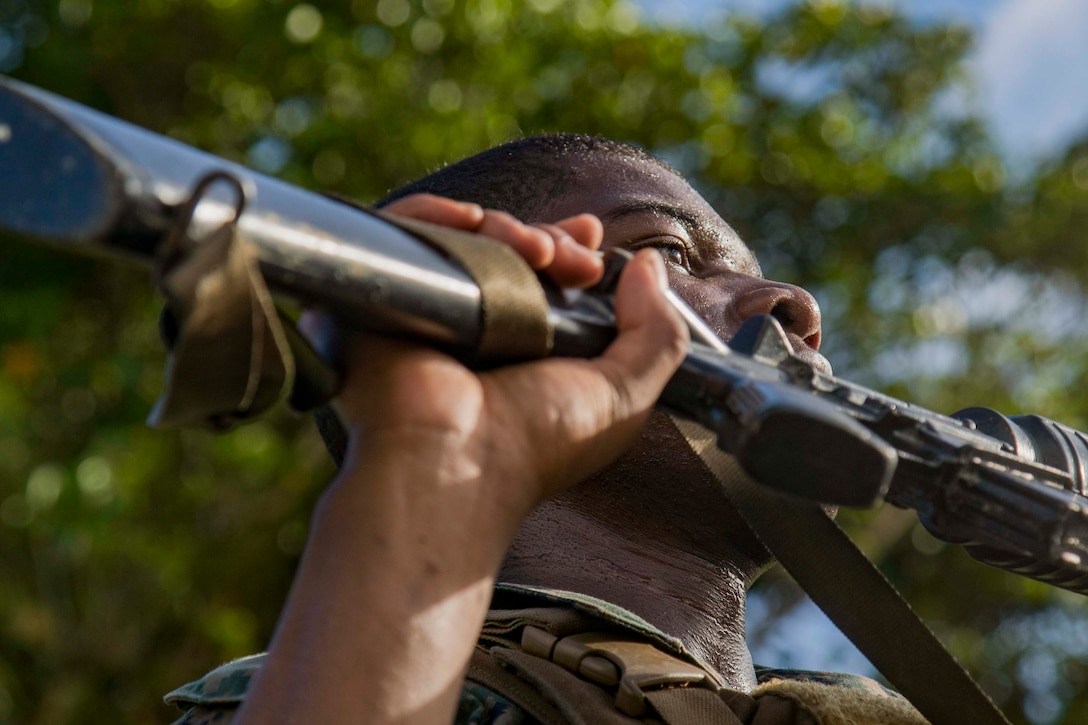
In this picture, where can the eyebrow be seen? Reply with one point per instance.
(686, 218)
(691, 222)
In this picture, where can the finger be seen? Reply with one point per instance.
(574, 265)
(586, 229)
(607, 400)
(535, 245)
(652, 339)
(438, 210)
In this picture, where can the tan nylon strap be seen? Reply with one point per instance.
(683, 705)
(484, 670)
(866, 607)
(579, 701)
(514, 309)
(232, 359)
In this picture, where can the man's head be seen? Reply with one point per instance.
(643, 202)
(526, 176)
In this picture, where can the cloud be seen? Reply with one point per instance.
(1031, 64)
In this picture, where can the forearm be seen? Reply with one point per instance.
(389, 597)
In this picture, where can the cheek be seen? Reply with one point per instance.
(711, 298)
(706, 297)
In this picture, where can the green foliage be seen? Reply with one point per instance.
(134, 561)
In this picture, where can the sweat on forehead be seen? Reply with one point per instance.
(522, 176)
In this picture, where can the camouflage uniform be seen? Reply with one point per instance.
(792, 697)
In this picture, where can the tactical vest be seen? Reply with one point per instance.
(586, 662)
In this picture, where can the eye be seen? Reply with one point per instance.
(676, 252)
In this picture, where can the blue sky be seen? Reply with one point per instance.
(1029, 65)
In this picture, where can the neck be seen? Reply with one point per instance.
(655, 534)
(680, 593)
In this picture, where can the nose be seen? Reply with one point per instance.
(796, 309)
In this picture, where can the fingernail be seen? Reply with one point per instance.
(591, 254)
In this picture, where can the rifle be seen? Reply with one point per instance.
(1011, 490)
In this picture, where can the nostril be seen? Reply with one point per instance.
(799, 314)
(782, 313)
(794, 308)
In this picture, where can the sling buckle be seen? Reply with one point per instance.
(612, 660)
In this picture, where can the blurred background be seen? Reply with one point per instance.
(921, 167)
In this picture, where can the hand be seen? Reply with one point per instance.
(514, 421)
(443, 464)
(565, 251)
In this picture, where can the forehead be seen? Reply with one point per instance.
(637, 197)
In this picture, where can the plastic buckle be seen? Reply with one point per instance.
(611, 660)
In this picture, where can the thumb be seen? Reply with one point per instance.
(652, 339)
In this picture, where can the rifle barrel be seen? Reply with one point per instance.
(78, 178)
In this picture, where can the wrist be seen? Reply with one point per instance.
(425, 494)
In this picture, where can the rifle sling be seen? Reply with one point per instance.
(513, 306)
(870, 611)
(231, 358)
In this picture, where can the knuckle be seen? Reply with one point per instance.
(561, 237)
(500, 218)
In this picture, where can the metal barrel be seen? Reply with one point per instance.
(78, 178)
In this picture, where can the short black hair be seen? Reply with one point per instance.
(520, 177)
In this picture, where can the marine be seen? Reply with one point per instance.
(482, 522)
